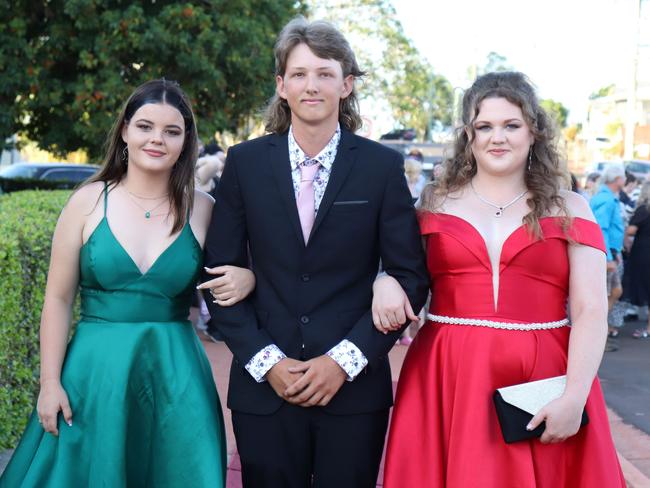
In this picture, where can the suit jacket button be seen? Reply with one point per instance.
(304, 319)
(305, 277)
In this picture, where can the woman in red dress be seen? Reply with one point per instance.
(506, 250)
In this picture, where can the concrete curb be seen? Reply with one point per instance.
(633, 448)
(633, 477)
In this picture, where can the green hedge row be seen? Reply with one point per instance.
(8, 185)
(27, 221)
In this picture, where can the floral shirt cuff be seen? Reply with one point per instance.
(349, 357)
(263, 361)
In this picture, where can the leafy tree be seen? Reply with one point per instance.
(556, 110)
(15, 51)
(496, 62)
(602, 92)
(83, 57)
(398, 75)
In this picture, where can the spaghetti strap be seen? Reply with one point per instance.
(105, 197)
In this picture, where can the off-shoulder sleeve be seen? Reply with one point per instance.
(587, 233)
(427, 222)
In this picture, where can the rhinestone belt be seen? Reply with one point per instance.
(498, 325)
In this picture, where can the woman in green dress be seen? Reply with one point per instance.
(132, 402)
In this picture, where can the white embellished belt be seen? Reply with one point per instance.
(498, 325)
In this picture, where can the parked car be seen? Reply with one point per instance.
(639, 168)
(599, 166)
(45, 176)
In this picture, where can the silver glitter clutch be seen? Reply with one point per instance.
(516, 405)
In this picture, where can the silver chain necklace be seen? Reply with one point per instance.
(500, 208)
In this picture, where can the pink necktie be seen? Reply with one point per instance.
(305, 200)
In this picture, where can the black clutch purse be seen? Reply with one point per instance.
(516, 406)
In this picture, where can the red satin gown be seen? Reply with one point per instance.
(444, 430)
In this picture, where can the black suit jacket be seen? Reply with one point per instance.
(310, 297)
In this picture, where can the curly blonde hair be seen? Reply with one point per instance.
(547, 172)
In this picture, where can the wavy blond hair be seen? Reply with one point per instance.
(547, 173)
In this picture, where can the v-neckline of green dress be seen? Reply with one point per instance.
(141, 274)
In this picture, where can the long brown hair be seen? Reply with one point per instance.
(181, 181)
(326, 42)
(546, 173)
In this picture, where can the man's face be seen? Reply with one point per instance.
(619, 183)
(313, 87)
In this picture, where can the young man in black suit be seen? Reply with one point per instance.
(315, 208)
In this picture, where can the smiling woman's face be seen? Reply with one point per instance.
(155, 136)
(502, 138)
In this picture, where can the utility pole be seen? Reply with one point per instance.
(630, 112)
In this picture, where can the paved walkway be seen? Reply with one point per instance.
(632, 444)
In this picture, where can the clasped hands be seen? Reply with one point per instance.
(306, 383)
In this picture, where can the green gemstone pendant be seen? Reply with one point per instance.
(147, 215)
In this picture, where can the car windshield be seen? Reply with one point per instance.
(18, 171)
(638, 167)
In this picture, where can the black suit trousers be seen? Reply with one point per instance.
(298, 447)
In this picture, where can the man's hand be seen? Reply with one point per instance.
(280, 378)
(321, 379)
(611, 265)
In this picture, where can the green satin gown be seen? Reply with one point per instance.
(144, 404)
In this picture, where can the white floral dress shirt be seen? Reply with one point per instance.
(345, 353)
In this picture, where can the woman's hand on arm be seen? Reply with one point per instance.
(390, 305)
(231, 286)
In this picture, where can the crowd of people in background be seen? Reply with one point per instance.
(620, 202)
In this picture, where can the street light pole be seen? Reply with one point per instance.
(630, 109)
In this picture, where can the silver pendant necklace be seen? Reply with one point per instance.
(500, 208)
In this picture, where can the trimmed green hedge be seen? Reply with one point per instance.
(8, 185)
(27, 221)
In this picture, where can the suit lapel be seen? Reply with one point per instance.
(279, 157)
(345, 157)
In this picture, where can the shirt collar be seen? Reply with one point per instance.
(325, 157)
